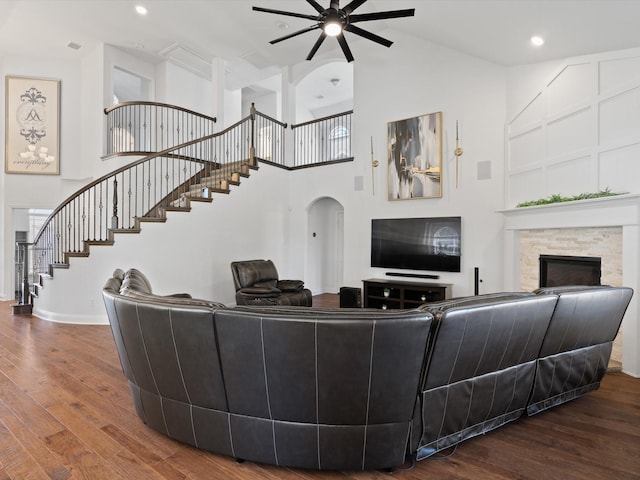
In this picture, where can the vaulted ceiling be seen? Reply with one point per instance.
(195, 31)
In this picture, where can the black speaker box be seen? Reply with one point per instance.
(350, 297)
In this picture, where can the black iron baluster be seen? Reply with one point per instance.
(114, 218)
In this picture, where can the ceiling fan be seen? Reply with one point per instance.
(333, 21)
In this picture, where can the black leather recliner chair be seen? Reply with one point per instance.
(257, 283)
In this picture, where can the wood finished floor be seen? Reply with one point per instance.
(65, 413)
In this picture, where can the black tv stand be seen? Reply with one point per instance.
(412, 275)
(392, 294)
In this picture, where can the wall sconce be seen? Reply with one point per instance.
(457, 152)
(374, 164)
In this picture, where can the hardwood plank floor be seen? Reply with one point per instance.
(66, 413)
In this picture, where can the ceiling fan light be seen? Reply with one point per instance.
(333, 28)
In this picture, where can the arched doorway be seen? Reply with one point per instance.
(325, 258)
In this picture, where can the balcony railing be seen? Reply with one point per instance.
(325, 140)
(139, 128)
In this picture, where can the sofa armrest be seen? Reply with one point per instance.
(290, 285)
(260, 291)
(179, 295)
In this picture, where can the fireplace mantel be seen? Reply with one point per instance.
(616, 211)
(597, 212)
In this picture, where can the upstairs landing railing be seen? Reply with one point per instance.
(140, 128)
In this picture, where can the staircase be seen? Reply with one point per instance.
(182, 162)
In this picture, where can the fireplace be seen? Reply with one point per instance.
(608, 228)
(559, 270)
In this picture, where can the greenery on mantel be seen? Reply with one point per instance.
(556, 198)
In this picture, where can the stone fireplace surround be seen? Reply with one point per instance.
(608, 227)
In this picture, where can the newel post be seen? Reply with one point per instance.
(24, 307)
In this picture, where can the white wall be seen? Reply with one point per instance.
(579, 131)
(191, 252)
(42, 191)
(462, 87)
(177, 86)
(399, 85)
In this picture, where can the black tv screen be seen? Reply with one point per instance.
(416, 243)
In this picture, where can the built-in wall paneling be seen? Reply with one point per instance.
(580, 133)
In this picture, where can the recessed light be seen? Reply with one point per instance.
(537, 41)
(282, 25)
(74, 45)
(141, 10)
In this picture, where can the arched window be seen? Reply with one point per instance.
(339, 132)
(339, 143)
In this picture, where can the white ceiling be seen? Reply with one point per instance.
(495, 30)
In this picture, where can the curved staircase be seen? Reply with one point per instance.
(143, 191)
(182, 161)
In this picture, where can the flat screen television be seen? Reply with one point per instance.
(416, 243)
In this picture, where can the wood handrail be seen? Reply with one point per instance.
(163, 153)
(158, 104)
(278, 122)
(328, 117)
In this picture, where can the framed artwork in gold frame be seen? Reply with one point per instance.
(414, 157)
(32, 126)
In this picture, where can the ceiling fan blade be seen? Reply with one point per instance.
(295, 34)
(316, 46)
(345, 48)
(316, 5)
(368, 35)
(289, 14)
(365, 17)
(352, 6)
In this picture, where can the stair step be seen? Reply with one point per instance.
(151, 219)
(176, 209)
(98, 242)
(219, 190)
(76, 254)
(201, 199)
(21, 309)
(125, 230)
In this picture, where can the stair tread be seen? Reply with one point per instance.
(99, 242)
(176, 209)
(201, 199)
(152, 219)
(125, 230)
(77, 254)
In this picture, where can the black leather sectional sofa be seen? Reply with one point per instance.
(355, 389)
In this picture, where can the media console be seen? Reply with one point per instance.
(395, 294)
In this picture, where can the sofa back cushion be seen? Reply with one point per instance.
(480, 338)
(584, 316)
(322, 367)
(248, 273)
(169, 350)
(481, 368)
(136, 280)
